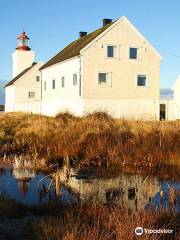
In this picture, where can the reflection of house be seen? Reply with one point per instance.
(22, 175)
(170, 102)
(132, 191)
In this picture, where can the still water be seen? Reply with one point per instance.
(68, 186)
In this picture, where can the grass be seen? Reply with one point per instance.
(86, 221)
(96, 139)
(106, 223)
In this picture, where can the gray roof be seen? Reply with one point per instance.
(74, 48)
(166, 93)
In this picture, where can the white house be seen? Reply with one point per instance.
(23, 92)
(113, 69)
(170, 102)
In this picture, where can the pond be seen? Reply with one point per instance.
(68, 186)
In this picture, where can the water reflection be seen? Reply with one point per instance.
(30, 187)
(134, 191)
(23, 176)
(68, 186)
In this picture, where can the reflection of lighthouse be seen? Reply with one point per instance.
(22, 175)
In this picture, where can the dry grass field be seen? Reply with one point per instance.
(96, 139)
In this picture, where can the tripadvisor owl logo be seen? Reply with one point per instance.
(139, 231)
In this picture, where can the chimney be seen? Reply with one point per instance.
(82, 34)
(106, 21)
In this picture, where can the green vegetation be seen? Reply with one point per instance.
(96, 139)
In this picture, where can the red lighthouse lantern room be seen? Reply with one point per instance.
(23, 42)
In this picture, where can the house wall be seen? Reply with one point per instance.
(122, 96)
(133, 109)
(17, 98)
(170, 108)
(176, 88)
(65, 98)
(10, 98)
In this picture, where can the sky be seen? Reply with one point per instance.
(52, 24)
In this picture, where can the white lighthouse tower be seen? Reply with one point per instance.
(23, 57)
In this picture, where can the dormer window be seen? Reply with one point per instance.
(111, 51)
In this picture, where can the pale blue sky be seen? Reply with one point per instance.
(51, 24)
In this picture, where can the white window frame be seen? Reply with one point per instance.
(133, 59)
(147, 80)
(109, 84)
(117, 51)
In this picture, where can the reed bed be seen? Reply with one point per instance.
(96, 139)
(87, 221)
(106, 223)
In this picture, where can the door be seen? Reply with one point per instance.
(162, 112)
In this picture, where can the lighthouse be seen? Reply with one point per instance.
(23, 57)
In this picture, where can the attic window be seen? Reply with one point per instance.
(111, 51)
(133, 53)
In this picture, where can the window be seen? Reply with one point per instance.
(45, 86)
(53, 84)
(31, 94)
(62, 82)
(111, 51)
(103, 78)
(74, 79)
(133, 53)
(37, 78)
(142, 80)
